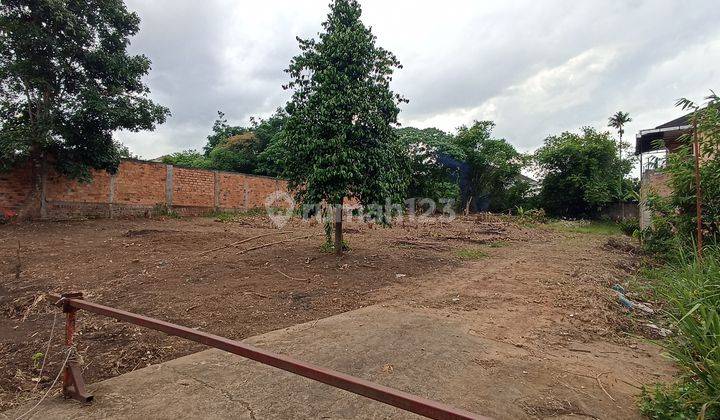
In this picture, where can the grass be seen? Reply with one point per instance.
(691, 290)
(593, 227)
(472, 254)
(231, 216)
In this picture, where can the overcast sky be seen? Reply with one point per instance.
(534, 67)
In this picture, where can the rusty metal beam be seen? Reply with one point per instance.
(390, 396)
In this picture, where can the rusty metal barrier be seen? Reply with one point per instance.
(74, 386)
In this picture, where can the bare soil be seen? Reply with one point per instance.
(173, 270)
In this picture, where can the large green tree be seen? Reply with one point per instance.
(255, 149)
(496, 166)
(339, 137)
(429, 178)
(221, 131)
(581, 172)
(67, 82)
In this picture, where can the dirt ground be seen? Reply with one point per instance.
(171, 269)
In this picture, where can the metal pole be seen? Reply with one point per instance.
(73, 382)
(390, 396)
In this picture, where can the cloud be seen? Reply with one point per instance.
(536, 68)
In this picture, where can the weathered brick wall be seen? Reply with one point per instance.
(138, 188)
(193, 188)
(15, 187)
(140, 184)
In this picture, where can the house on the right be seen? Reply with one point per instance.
(653, 146)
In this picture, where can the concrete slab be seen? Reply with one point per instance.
(390, 346)
(419, 350)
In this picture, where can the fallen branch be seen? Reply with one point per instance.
(32, 306)
(290, 277)
(257, 294)
(469, 239)
(420, 244)
(234, 244)
(597, 378)
(278, 242)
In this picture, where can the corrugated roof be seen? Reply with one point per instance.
(677, 122)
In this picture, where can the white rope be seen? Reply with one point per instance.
(62, 368)
(47, 351)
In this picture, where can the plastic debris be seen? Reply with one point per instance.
(662, 332)
(630, 304)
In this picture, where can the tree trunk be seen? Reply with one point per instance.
(32, 207)
(338, 229)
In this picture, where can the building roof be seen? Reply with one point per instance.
(655, 138)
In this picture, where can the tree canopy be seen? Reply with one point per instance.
(582, 173)
(67, 82)
(494, 165)
(254, 149)
(339, 137)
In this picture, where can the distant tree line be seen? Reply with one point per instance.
(495, 165)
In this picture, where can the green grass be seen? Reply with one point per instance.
(691, 291)
(472, 254)
(231, 216)
(592, 227)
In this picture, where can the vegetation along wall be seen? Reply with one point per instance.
(139, 188)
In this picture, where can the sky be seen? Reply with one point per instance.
(536, 68)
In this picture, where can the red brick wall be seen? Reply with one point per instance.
(232, 189)
(15, 187)
(59, 188)
(140, 183)
(139, 188)
(193, 188)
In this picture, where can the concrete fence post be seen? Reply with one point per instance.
(169, 186)
(216, 193)
(43, 190)
(246, 193)
(111, 195)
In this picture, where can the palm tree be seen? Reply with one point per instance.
(618, 122)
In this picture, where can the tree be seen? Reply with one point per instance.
(237, 153)
(496, 166)
(270, 133)
(339, 138)
(691, 212)
(221, 130)
(580, 173)
(618, 121)
(429, 178)
(123, 151)
(188, 159)
(67, 82)
(251, 150)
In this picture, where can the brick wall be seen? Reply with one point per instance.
(138, 188)
(15, 187)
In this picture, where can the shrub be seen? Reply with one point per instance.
(692, 292)
(674, 217)
(629, 226)
(530, 215)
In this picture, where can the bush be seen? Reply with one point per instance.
(582, 173)
(674, 217)
(530, 215)
(629, 226)
(692, 292)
